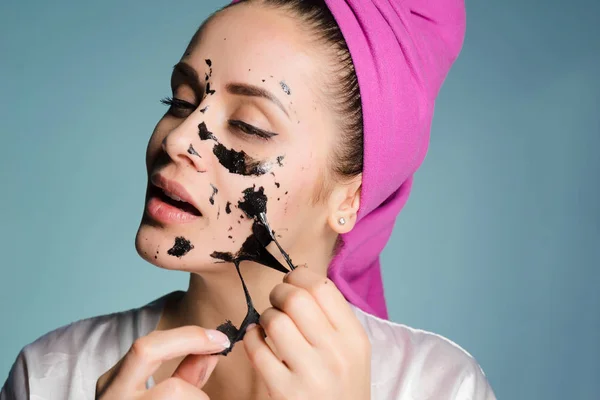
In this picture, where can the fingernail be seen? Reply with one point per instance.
(218, 337)
(251, 326)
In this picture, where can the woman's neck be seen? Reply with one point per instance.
(214, 297)
(211, 299)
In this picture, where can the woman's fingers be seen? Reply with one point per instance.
(288, 343)
(196, 369)
(305, 312)
(275, 373)
(330, 299)
(148, 352)
(174, 388)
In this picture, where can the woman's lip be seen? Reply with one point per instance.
(166, 213)
(174, 188)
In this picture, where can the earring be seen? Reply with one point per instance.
(341, 221)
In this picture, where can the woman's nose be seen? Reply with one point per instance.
(183, 144)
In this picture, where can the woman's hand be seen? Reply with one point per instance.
(127, 379)
(318, 349)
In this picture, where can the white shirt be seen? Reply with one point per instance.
(406, 363)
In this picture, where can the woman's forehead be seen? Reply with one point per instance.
(244, 39)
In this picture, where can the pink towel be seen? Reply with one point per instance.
(402, 51)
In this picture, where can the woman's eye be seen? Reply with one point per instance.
(251, 130)
(177, 107)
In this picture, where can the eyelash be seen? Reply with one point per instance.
(250, 129)
(176, 104)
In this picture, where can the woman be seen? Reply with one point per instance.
(291, 138)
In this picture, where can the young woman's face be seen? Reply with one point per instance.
(247, 118)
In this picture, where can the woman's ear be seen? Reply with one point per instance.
(344, 205)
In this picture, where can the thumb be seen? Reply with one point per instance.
(196, 369)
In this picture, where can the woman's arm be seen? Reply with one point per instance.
(16, 386)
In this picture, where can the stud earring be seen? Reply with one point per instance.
(342, 221)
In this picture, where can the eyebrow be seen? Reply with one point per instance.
(240, 89)
(243, 89)
(190, 75)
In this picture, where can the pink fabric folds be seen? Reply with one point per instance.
(402, 52)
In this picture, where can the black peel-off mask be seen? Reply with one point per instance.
(193, 151)
(285, 88)
(181, 247)
(254, 205)
(236, 162)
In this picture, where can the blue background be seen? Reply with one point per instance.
(498, 248)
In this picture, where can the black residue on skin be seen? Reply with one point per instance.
(203, 110)
(286, 192)
(192, 151)
(228, 208)
(254, 202)
(209, 63)
(278, 185)
(241, 216)
(208, 90)
(285, 88)
(252, 250)
(278, 199)
(252, 316)
(181, 247)
(230, 237)
(271, 236)
(218, 212)
(206, 77)
(263, 80)
(204, 133)
(238, 162)
(230, 229)
(212, 196)
(279, 160)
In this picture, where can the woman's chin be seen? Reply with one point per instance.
(179, 256)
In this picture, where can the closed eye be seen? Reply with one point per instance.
(177, 107)
(251, 130)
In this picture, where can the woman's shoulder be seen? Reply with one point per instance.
(414, 363)
(67, 361)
